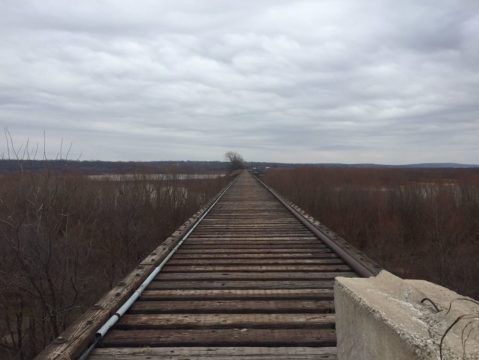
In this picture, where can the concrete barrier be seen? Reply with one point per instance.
(386, 317)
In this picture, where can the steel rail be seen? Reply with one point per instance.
(103, 330)
(360, 263)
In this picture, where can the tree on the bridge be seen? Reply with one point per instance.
(236, 160)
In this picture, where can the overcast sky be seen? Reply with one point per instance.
(382, 81)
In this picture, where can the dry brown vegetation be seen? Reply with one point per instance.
(66, 239)
(417, 223)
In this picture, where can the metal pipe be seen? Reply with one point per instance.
(101, 332)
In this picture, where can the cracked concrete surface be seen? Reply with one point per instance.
(383, 318)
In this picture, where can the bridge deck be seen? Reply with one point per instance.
(251, 281)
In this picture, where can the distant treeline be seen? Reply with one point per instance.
(111, 167)
(115, 167)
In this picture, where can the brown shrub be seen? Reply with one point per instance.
(66, 239)
(417, 223)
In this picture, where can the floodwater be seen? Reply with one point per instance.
(132, 177)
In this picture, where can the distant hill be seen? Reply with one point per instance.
(262, 165)
(441, 165)
(117, 167)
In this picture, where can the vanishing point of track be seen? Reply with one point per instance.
(252, 280)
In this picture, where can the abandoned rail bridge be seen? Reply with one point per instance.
(248, 276)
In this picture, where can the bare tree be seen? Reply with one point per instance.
(236, 160)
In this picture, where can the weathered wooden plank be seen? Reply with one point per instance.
(290, 250)
(303, 255)
(253, 227)
(243, 217)
(246, 241)
(221, 276)
(256, 232)
(223, 321)
(248, 261)
(223, 337)
(235, 284)
(264, 236)
(216, 353)
(255, 268)
(281, 221)
(252, 233)
(231, 306)
(266, 246)
(237, 294)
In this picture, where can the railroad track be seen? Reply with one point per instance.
(249, 278)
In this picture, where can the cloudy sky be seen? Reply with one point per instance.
(381, 81)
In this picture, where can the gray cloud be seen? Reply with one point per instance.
(304, 81)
